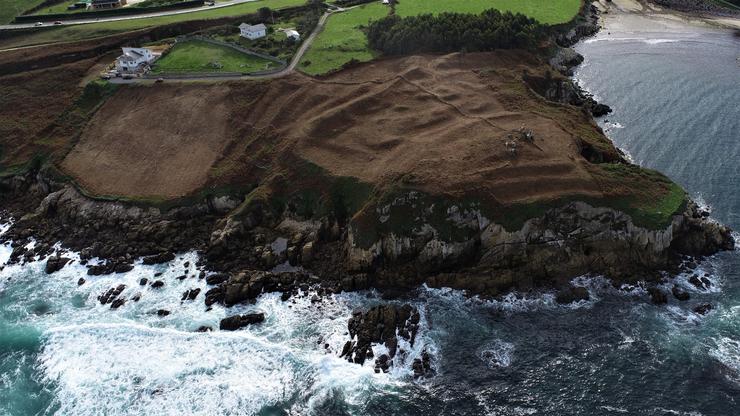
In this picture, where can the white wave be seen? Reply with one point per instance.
(649, 41)
(129, 360)
(727, 351)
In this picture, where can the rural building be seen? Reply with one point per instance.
(134, 59)
(292, 34)
(107, 4)
(253, 31)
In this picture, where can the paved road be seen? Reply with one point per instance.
(283, 72)
(131, 17)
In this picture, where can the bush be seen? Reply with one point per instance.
(453, 32)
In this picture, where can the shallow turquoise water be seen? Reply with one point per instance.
(675, 98)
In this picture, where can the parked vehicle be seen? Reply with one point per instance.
(58, 22)
(159, 80)
(105, 76)
(38, 24)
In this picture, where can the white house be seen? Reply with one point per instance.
(253, 31)
(133, 59)
(292, 34)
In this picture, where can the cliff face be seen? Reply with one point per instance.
(568, 241)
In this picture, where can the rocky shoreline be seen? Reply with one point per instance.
(244, 254)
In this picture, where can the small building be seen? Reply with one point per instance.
(292, 34)
(253, 32)
(134, 59)
(107, 4)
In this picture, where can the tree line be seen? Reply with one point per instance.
(453, 32)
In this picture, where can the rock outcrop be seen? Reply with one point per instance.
(573, 240)
(383, 324)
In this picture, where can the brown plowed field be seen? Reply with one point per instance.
(437, 122)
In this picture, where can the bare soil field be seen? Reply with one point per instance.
(436, 123)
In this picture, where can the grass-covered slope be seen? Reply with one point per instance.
(342, 40)
(198, 56)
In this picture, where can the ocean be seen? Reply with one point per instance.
(676, 99)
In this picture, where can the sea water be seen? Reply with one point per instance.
(675, 97)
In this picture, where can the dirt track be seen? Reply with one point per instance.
(438, 123)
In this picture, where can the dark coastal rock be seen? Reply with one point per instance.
(679, 293)
(204, 328)
(157, 284)
(117, 303)
(235, 322)
(700, 282)
(380, 325)
(217, 278)
(163, 312)
(80, 281)
(657, 296)
(422, 366)
(703, 309)
(572, 294)
(56, 263)
(249, 285)
(158, 258)
(600, 110)
(143, 281)
(111, 294)
(700, 236)
(191, 294)
(214, 295)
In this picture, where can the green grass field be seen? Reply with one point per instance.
(342, 40)
(9, 9)
(198, 56)
(545, 11)
(93, 30)
(60, 8)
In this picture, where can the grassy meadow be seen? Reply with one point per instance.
(342, 40)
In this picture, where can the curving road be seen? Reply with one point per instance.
(281, 73)
(130, 17)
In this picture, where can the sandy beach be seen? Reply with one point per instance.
(619, 15)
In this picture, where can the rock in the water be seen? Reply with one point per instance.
(158, 258)
(204, 328)
(380, 325)
(572, 294)
(235, 322)
(163, 312)
(679, 293)
(80, 281)
(422, 366)
(54, 264)
(143, 281)
(703, 309)
(111, 294)
(157, 284)
(190, 294)
(657, 296)
(117, 303)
